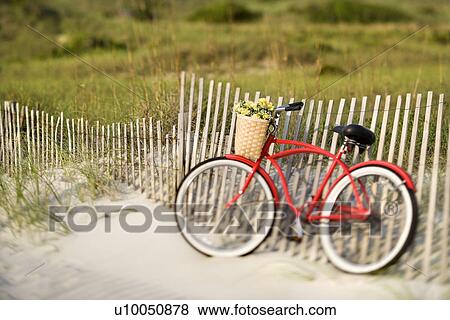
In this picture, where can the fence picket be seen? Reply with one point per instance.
(411, 272)
(132, 159)
(18, 137)
(189, 122)
(125, 154)
(224, 119)
(404, 130)
(206, 126)
(27, 123)
(445, 221)
(160, 164)
(138, 143)
(412, 146)
(152, 159)
(382, 138)
(215, 118)
(197, 123)
(233, 122)
(429, 232)
(181, 129)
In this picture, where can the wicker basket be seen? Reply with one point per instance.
(250, 136)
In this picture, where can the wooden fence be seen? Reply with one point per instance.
(412, 131)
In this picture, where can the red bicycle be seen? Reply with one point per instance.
(366, 217)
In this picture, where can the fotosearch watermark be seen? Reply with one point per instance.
(239, 219)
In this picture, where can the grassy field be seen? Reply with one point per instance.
(280, 47)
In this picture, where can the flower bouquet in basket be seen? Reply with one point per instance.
(253, 119)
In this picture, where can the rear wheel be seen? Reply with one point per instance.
(367, 246)
(205, 221)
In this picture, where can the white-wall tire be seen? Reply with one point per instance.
(405, 236)
(205, 248)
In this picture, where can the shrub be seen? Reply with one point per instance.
(331, 69)
(352, 11)
(225, 11)
(442, 36)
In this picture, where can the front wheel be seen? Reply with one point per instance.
(208, 224)
(366, 246)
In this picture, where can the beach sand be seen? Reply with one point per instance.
(150, 265)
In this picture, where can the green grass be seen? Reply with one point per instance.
(145, 47)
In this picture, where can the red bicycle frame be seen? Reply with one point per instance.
(358, 212)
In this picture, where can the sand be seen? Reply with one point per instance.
(149, 265)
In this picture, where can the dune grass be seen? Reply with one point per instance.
(144, 46)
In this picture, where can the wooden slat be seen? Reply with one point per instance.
(424, 146)
(212, 147)
(194, 156)
(174, 167)
(113, 149)
(444, 269)
(132, 158)
(152, 160)
(102, 156)
(224, 120)
(73, 139)
(167, 172)
(61, 137)
(69, 135)
(28, 131)
(108, 149)
(33, 141)
(125, 153)
(18, 137)
(138, 144)
(52, 140)
(145, 156)
(38, 139)
(373, 123)
(119, 150)
(362, 115)
(411, 272)
(376, 248)
(233, 121)
(404, 134)
(160, 164)
(42, 140)
(46, 142)
(429, 232)
(181, 130)
(97, 142)
(413, 137)
(189, 122)
(392, 146)
(207, 120)
(12, 159)
(13, 134)
(382, 138)
(77, 138)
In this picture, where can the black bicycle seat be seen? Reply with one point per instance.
(357, 133)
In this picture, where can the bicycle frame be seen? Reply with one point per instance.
(359, 212)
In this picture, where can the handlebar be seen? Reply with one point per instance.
(290, 107)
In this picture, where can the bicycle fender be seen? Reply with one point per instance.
(261, 171)
(398, 170)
